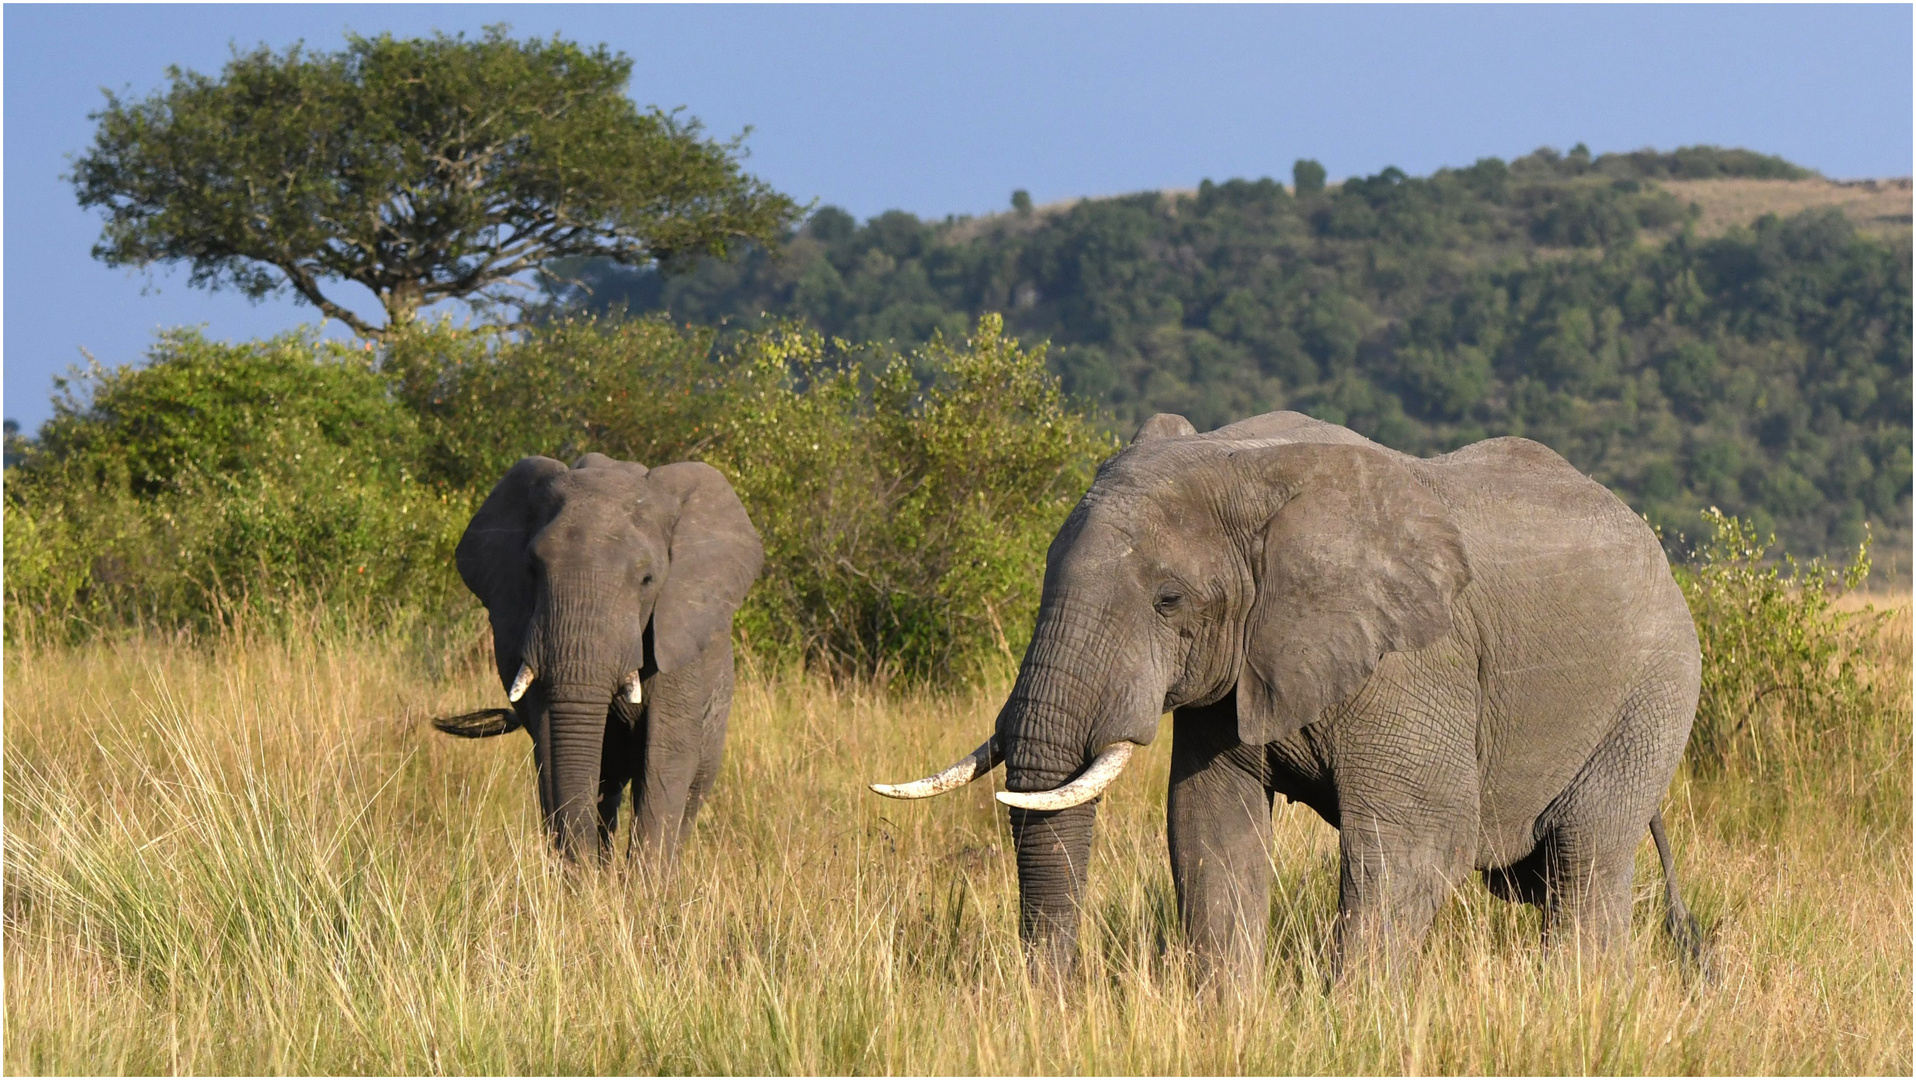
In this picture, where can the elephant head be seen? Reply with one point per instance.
(597, 578)
(1272, 563)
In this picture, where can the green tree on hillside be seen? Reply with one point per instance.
(423, 169)
(1559, 296)
(1307, 177)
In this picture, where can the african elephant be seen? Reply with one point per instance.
(611, 591)
(1474, 661)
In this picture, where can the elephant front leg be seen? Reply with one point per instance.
(679, 707)
(712, 753)
(1391, 881)
(619, 763)
(1219, 825)
(1403, 760)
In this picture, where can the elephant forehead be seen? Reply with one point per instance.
(1141, 534)
(1164, 469)
(1121, 549)
(1176, 497)
(611, 486)
(596, 530)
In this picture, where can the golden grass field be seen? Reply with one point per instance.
(255, 857)
(1878, 207)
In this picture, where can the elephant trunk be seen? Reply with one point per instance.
(581, 656)
(1054, 847)
(576, 726)
(1045, 741)
(1067, 730)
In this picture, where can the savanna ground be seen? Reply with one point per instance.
(1878, 207)
(254, 856)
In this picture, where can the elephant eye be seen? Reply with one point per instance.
(1168, 601)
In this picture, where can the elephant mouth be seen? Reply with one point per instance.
(631, 688)
(486, 723)
(1087, 785)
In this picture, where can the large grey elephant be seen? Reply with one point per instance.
(1474, 661)
(611, 590)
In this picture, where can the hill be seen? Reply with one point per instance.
(1694, 328)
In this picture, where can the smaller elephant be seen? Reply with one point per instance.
(611, 590)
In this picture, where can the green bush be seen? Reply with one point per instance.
(263, 477)
(1781, 675)
(905, 523)
(905, 500)
(1425, 312)
(639, 389)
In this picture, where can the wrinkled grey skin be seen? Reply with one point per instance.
(595, 571)
(1473, 662)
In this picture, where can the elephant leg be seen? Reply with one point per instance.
(619, 763)
(1404, 762)
(1391, 881)
(1595, 826)
(678, 706)
(1218, 819)
(1588, 900)
(712, 752)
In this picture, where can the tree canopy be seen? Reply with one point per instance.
(424, 169)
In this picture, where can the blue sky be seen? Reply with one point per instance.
(945, 110)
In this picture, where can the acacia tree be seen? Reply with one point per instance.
(424, 169)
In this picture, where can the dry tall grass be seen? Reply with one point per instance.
(256, 857)
(1878, 207)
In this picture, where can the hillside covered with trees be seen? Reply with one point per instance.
(1563, 297)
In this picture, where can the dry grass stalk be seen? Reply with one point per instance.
(257, 857)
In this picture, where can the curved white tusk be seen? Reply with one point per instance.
(519, 684)
(1094, 779)
(969, 768)
(634, 691)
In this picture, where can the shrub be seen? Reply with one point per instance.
(905, 521)
(638, 389)
(266, 476)
(905, 501)
(1781, 676)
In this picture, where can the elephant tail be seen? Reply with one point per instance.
(489, 722)
(1682, 926)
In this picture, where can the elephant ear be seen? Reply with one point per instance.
(715, 556)
(492, 554)
(1360, 559)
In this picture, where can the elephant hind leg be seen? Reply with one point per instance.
(1589, 899)
(1597, 824)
